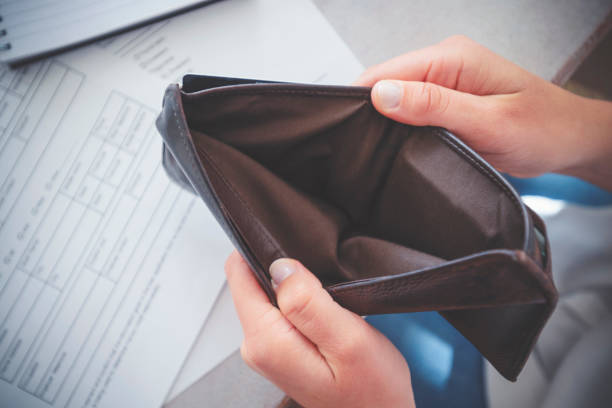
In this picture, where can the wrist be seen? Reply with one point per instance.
(589, 155)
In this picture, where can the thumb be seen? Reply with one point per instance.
(428, 104)
(310, 308)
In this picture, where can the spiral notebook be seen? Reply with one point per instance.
(31, 28)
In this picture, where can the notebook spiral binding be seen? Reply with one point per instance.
(6, 45)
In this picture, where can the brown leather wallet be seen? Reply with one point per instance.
(392, 218)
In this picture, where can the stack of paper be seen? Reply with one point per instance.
(33, 27)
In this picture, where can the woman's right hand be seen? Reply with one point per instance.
(520, 123)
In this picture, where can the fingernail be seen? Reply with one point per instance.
(388, 94)
(281, 269)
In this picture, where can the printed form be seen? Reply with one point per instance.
(107, 269)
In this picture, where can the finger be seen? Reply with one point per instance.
(311, 309)
(426, 104)
(455, 63)
(272, 346)
(287, 359)
(250, 300)
(412, 66)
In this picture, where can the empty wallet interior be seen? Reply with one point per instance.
(340, 188)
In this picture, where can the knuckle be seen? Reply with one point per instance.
(369, 72)
(255, 353)
(296, 302)
(231, 263)
(266, 321)
(251, 358)
(369, 76)
(458, 39)
(427, 99)
(508, 112)
(353, 347)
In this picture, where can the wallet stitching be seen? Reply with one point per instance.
(195, 171)
(483, 262)
(353, 94)
(231, 188)
(405, 282)
(400, 280)
(482, 169)
(194, 166)
(186, 147)
(528, 245)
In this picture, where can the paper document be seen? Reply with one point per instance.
(107, 269)
(32, 27)
(99, 257)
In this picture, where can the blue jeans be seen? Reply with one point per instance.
(446, 369)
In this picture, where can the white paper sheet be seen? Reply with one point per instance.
(108, 270)
(221, 335)
(100, 262)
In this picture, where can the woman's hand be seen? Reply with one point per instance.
(520, 123)
(323, 355)
(319, 353)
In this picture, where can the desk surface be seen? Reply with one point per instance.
(550, 38)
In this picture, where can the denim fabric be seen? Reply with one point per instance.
(446, 369)
(565, 188)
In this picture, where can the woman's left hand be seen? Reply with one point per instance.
(319, 353)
